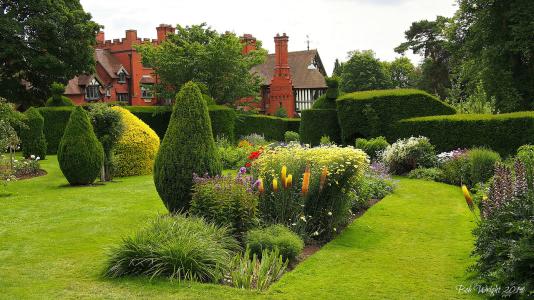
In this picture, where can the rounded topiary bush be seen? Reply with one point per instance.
(57, 99)
(80, 154)
(136, 150)
(188, 147)
(32, 136)
(275, 237)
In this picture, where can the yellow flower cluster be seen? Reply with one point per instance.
(136, 150)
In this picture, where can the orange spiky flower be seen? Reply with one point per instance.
(284, 172)
(275, 185)
(261, 188)
(468, 198)
(322, 180)
(289, 181)
(306, 181)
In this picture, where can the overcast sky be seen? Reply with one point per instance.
(334, 26)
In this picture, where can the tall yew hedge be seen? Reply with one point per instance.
(32, 136)
(80, 154)
(188, 147)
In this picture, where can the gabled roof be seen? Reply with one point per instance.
(108, 62)
(76, 84)
(302, 75)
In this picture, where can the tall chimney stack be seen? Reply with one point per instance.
(249, 43)
(281, 92)
(163, 30)
(100, 37)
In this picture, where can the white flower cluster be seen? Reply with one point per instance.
(401, 148)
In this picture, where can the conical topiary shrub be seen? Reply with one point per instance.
(80, 154)
(32, 136)
(188, 147)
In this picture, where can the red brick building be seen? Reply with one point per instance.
(292, 80)
(120, 75)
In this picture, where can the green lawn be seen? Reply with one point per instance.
(53, 241)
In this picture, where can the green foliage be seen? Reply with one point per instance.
(232, 156)
(188, 147)
(108, 127)
(431, 174)
(80, 154)
(372, 186)
(407, 154)
(456, 171)
(482, 164)
(32, 136)
(477, 102)
(492, 44)
(325, 141)
(525, 154)
(176, 247)
(274, 237)
(328, 100)
(281, 112)
(401, 73)
(373, 147)
(363, 72)
(316, 123)
(429, 39)
(254, 139)
(389, 106)
(225, 201)
(55, 122)
(44, 41)
(200, 54)
(291, 136)
(57, 99)
(272, 128)
(253, 273)
(503, 133)
(157, 117)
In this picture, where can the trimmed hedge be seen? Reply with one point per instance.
(273, 128)
(80, 154)
(504, 133)
(55, 121)
(157, 117)
(372, 113)
(32, 136)
(316, 123)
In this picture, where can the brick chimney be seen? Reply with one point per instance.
(281, 94)
(163, 30)
(249, 43)
(131, 35)
(100, 37)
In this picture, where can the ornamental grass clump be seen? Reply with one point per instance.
(252, 273)
(175, 247)
(308, 189)
(187, 148)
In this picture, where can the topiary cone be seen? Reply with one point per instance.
(33, 138)
(80, 154)
(188, 147)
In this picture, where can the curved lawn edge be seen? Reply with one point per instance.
(415, 243)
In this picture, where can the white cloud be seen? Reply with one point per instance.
(334, 26)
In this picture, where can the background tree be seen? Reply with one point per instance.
(493, 50)
(363, 71)
(43, 42)
(202, 55)
(108, 127)
(401, 73)
(429, 39)
(338, 67)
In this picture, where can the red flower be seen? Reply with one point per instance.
(254, 155)
(248, 165)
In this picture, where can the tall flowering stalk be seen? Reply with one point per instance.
(306, 181)
(322, 180)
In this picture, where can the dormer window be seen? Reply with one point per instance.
(122, 77)
(92, 91)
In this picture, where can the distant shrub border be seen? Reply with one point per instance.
(55, 122)
(316, 123)
(372, 113)
(273, 128)
(503, 133)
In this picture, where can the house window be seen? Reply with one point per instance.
(122, 97)
(122, 77)
(147, 91)
(92, 91)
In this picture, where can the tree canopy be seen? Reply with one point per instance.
(202, 55)
(43, 42)
(363, 71)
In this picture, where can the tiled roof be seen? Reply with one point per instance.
(302, 74)
(108, 62)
